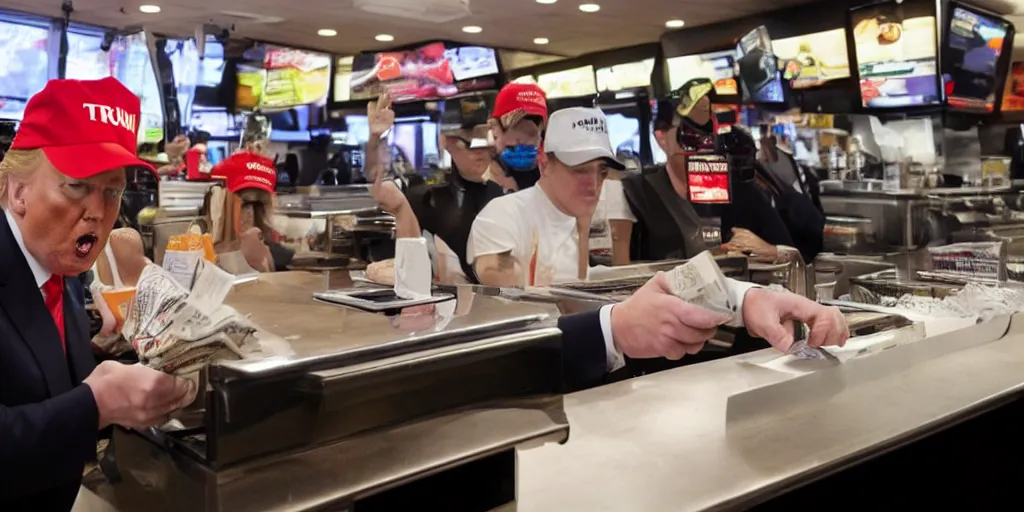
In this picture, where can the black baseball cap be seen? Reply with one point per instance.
(682, 100)
(466, 118)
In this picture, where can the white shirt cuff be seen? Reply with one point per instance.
(737, 290)
(613, 356)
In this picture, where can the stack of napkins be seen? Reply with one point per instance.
(179, 331)
(700, 282)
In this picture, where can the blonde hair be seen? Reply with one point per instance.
(18, 163)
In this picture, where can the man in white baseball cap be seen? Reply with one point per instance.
(533, 237)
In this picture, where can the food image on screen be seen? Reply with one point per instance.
(759, 75)
(295, 77)
(974, 46)
(813, 59)
(569, 83)
(1013, 93)
(421, 74)
(895, 46)
(472, 62)
(718, 67)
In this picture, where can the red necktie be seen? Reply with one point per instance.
(53, 292)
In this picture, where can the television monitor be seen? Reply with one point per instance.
(86, 59)
(469, 62)
(1013, 91)
(625, 76)
(25, 66)
(719, 67)
(219, 123)
(974, 65)
(421, 74)
(569, 83)
(295, 78)
(895, 45)
(758, 68)
(811, 60)
(132, 63)
(343, 79)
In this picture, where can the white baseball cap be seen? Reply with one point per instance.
(578, 135)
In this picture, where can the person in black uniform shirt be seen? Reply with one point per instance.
(660, 222)
(60, 189)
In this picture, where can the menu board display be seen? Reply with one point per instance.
(132, 64)
(1013, 93)
(758, 68)
(23, 66)
(719, 67)
(813, 59)
(274, 77)
(973, 47)
(343, 79)
(470, 62)
(625, 76)
(895, 46)
(420, 74)
(569, 83)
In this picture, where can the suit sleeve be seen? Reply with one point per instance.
(584, 356)
(47, 443)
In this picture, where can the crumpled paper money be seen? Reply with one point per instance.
(179, 332)
(701, 282)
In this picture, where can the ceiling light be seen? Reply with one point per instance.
(541, 40)
(472, 29)
(546, 1)
(149, 9)
(385, 38)
(327, 32)
(590, 7)
(675, 23)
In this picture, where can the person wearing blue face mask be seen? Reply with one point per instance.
(520, 112)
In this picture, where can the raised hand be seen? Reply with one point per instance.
(380, 116)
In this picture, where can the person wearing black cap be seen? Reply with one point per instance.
(445, 210)
(685, 127)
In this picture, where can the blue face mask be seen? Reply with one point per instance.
(520, 158)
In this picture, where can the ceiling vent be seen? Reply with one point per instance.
(435, 11)
(247, 17)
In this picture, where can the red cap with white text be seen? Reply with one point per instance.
(516, 101)
(247, 170)
(84, 127)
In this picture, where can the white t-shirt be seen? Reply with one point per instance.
(528, 225)
(611, 206)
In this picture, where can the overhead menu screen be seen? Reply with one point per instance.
(625, 76)
(813, 59)
(295, 77)
(470, 62)
(758, 68)
(895, 46)
(973, 49)
(24, 62)
(132, 64)
(719, 67)
(569, 83)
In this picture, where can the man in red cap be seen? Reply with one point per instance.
(520, 113)
(60, 189)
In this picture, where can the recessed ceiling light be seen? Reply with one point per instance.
(541, 40)
(149, 9)
(472, 29)
(590, 7)
(546, 1)
(385, 38)
(327, 32)
(675, 23)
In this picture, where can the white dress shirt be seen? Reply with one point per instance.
(40, 274)
(737, 290)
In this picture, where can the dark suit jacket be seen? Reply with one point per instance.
(584, 358)
(48, 420)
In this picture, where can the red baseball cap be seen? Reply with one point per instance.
(516, 101)
(247, 170)
(84, 127)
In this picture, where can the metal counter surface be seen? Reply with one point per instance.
(282, 305)
(674, 442)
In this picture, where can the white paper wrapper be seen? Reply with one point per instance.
(412, 268)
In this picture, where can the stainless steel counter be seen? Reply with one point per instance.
(726, 435)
